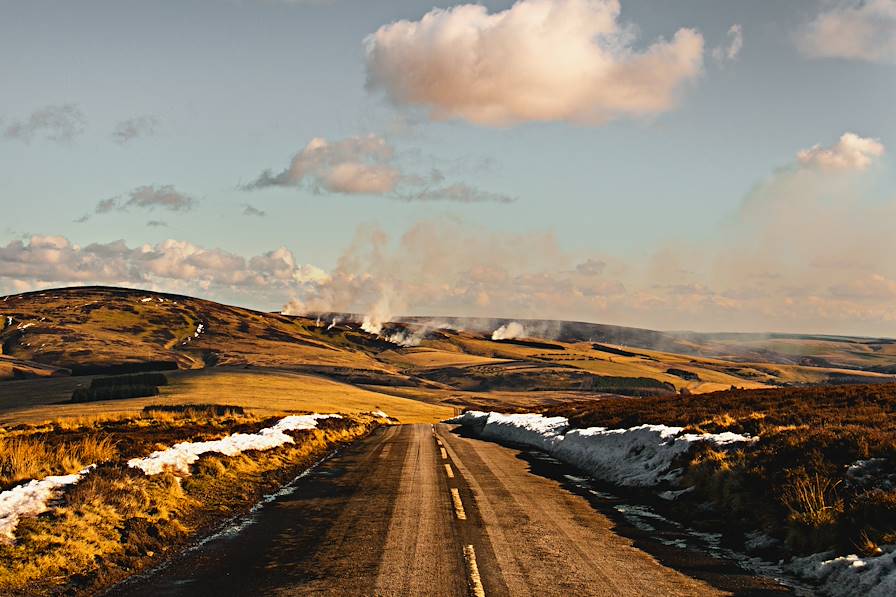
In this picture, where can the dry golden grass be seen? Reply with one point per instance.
(23, 458)
(117, 520)
(812, 500)
(263, 391)
(428, 357)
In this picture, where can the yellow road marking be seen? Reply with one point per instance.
(444, 454)
(458, 505)
(449, 471)
(475, 579)
(438, 441)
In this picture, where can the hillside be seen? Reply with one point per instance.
(100, 330)
(847, 352)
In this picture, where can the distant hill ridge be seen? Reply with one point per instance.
(100, 330)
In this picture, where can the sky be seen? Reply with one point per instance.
(711, 165)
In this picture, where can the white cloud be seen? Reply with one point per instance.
(367, 165)
(173, 264)
(356, 165)
(540, 60)
(731, 50)
(851, 152)
(61, 123)
(854, 30)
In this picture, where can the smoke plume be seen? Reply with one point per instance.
(509, 331)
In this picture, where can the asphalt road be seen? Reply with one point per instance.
(417, 510)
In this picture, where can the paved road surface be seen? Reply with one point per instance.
(417, 510)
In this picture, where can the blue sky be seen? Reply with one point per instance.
(227, 90)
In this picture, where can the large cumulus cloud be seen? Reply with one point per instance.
(539, 60)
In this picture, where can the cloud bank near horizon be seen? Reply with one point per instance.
(767, 270)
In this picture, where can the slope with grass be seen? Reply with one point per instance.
(258, 390)
(86, 331)
(120, 515)
(821, 475)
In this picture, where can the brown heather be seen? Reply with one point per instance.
(792, 482)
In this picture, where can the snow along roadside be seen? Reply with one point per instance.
(33, 498)
(850, 575)
(179, 457)
(640, 456)
(643, 456)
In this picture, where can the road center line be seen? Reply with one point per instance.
(475, 579)
(458, 505)
(449, 471)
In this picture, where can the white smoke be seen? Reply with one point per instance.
(405, 338)
(378, 313)
(509, 331)
(416, 332)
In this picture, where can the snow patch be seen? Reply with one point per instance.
(671, 495)
(146, 300)
(871, 474)
(757, 541)
(30, 499)
(639, 456)
(527, 429)
(379, 414)
(850, 575)
(179, 457)
(470, 418)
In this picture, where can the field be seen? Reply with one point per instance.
(264, 392)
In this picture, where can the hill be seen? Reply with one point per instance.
(85, 331)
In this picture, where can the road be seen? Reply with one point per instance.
(419, 510)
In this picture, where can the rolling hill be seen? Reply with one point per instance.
(84, 331)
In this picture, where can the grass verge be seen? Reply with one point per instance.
(117, 521)
(821, 476)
